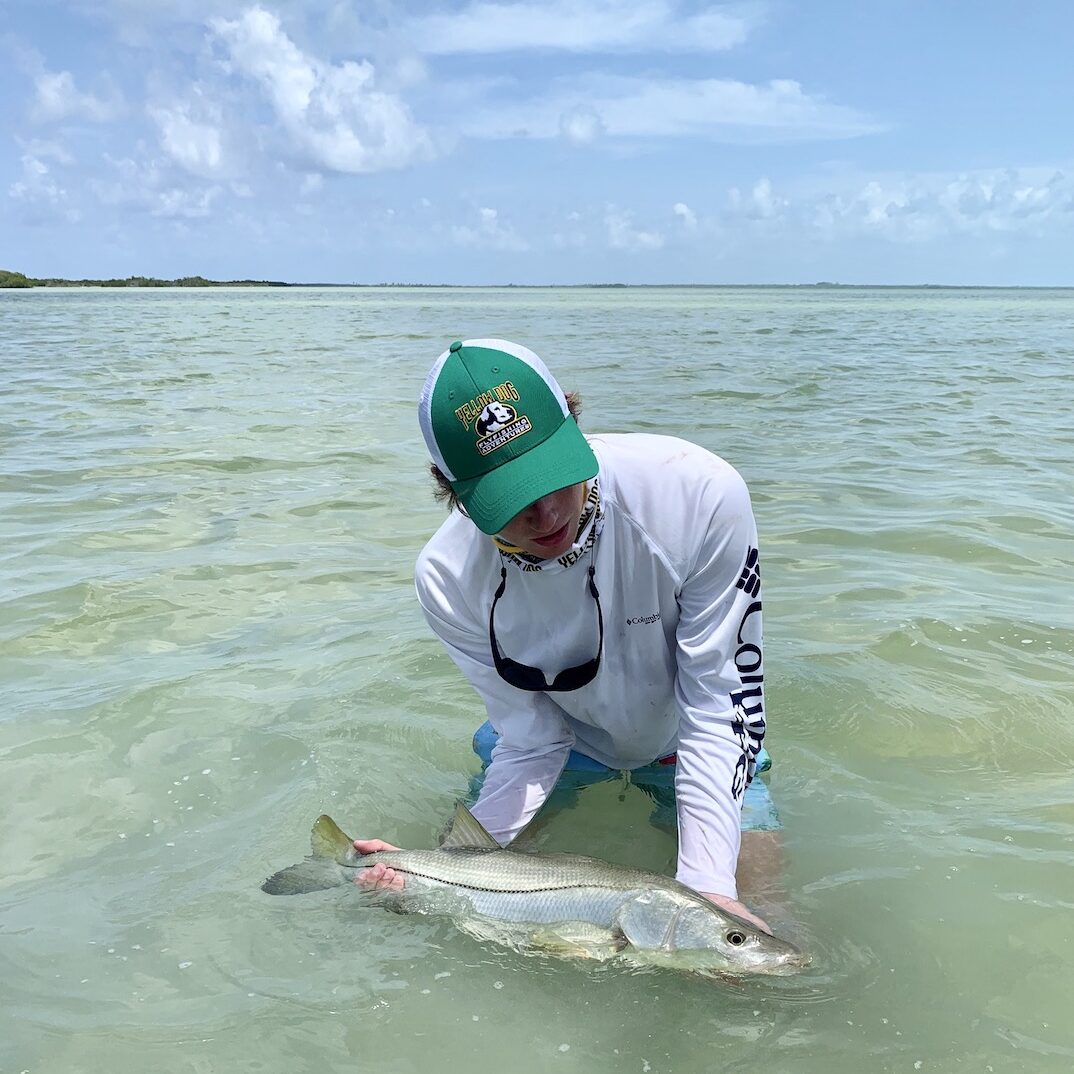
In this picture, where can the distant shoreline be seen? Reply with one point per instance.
(19, 280)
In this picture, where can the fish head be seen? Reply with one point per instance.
(706, 938)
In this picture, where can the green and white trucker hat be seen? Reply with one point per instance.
(497, 424)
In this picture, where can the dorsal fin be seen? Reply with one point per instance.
(327, 840)
(465, 830)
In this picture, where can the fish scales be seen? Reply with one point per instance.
(592, 905)
(507, 870)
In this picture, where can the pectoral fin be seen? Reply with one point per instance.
(577, 940)
(647, 921)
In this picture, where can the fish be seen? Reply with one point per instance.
(566, 905)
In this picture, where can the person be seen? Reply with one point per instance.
(601, 595)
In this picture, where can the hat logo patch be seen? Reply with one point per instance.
(494, 417)
(501, 393)
(499, 424)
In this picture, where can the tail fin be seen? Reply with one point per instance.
(328, 841)
(330, 848)
(313, 874)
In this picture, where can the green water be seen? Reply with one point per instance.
(210, 503)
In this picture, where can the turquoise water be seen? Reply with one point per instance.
(210, 503)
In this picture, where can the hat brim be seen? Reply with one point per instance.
(493, 499)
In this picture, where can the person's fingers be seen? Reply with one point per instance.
(371, 846)
(736, 908)
(379, 877)
(753, 919)
(368, 878)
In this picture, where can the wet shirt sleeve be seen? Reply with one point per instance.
(719, 686)
(534, 737)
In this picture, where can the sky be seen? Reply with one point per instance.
(539, 142)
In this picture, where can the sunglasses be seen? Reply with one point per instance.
(524, 677)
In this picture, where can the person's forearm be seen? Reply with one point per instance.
(516, 786)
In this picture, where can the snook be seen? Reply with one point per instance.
(561, 903)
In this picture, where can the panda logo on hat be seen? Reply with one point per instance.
(493, 418)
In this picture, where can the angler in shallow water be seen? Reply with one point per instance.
(602, 596)
(563, 904)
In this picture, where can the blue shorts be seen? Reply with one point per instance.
(657, 780)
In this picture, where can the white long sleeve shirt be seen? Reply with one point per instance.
(681, 670)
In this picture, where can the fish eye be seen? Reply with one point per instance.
(736, 939)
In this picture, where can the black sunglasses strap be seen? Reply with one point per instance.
(497, 656)
(600, 614)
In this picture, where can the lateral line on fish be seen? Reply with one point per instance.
(491, 891)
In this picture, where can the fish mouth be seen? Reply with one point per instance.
(786, 966)
(789, 966)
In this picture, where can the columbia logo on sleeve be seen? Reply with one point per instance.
(749, 581)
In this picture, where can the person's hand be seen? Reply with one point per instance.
(377, 877)
(733, 906)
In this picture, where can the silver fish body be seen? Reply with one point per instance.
(560, 903)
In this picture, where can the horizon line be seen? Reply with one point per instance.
(156, 283)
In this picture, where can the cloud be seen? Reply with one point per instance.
(929, 207)
(760, 204)
(686, 215)
(185, 204)
(46, 150)
(57, 98)
(40, 195)
(333, 114)
(908, 208)
(489, 233)
(195, 144)
(717, 109)
(623, 235)
(151, 186)
(580, 26)
(581, 126)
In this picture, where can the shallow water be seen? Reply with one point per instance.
(210, 503)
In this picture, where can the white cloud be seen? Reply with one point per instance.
(702, 108)
(580, 26)
(193, 143)
(151, 186)
(332, 113)
(760, 204)
(921, 208)
(57, 98)
(39, 194)
(623, 235)
(581, 126)
(46, 150)
(489, 233)
(686, 215)
(176, 203)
